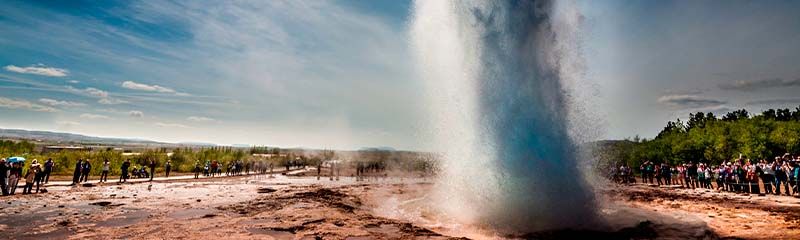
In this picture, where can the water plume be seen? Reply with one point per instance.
(498, 73)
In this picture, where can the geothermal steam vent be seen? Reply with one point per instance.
(499, 114)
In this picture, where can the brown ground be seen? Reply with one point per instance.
(726, 214)
(260, 207)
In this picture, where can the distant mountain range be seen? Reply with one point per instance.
(71, 138)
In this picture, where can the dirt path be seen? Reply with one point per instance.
(727, 214)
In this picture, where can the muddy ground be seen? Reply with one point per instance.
(280, 207)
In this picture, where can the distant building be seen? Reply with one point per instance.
(50, 149)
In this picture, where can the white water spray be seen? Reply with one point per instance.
(497, 72)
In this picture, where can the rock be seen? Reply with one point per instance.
(101, 203)
(198, 200)
(265, 190)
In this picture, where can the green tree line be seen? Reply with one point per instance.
(706, 138)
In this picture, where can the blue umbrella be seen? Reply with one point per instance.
(15, 159)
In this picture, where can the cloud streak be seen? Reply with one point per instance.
(171, 125)
(38, 69)
(200, 119)
(103, 96)
(690, 101)
(25, 105)
(60, 103)
(94, 116)
(753, 85)
(148, 88)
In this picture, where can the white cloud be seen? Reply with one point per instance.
(59, 103)
(171, 125)
(24, 104)
(104, 97)
(200, 119)
(94, 116)
(144, 87)
(111, 101)
(136, 114)
(39, 69)
(96, 92)
(68, 123)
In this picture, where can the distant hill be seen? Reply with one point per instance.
(388, 149)
(71, 137)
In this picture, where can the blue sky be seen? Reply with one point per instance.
(338, 74)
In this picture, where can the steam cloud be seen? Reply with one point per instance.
(500, 114)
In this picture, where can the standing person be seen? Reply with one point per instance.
(106, 169)
(665, 174)
(48, 168)
(780, 177)
(752, 178)
(796, 179)
(76, 176)
(39, 174)
(87, 168)
(152, 169)
(168, 167)
(214, 166)
(657, 174)
(691, 172)
(769, 175)
(29, 177)
(14, 176)
(701, 177)
(3, 176)
(123, 177)
(196, 169)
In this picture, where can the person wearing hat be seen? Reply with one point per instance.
(39, 177)
(30, 176)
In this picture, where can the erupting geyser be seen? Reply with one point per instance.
(500, 113)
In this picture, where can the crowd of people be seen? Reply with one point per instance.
(12, 172)
(780, 175)
(37, 174)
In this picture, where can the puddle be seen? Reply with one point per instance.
(192, 213)
(125, 219)
(279, 235)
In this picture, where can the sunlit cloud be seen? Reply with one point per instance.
(200, 119)
(38, 69)
(25, 105)
(60, 103)
(144, 87)
(171, 125)
(136, 114)
(103, 96)
(94, 116)
(68, 123)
